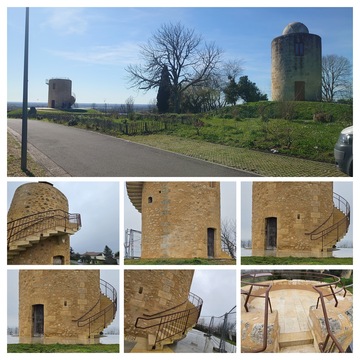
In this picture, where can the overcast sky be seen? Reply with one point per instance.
(93, 45)
(345, 189)
(98, 204)
(217, 288)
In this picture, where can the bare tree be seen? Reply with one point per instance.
(336, 77)
(189, 59)
(228, 237)
(129, 105)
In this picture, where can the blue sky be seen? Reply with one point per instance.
(93, 46)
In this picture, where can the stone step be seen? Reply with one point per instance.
(151, 341)
(306, 348)
(296, 338)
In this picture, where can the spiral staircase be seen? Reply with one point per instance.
(172, 324)
(334, 228)
(30, 230)
(102, 314)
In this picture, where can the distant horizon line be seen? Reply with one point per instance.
(88, 103)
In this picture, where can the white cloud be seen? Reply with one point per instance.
(126, 53)
(67, 21)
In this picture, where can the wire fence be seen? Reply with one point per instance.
(221, 330)
(132, 244)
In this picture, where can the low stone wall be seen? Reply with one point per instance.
(252, 332)
(340, 321)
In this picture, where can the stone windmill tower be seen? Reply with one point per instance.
(296, 65)
(297, 217)
(64, 306)
(179, 219)
(60, 95)
(39, 226)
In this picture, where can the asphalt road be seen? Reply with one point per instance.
(85, 153)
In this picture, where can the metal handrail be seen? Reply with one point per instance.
(174, 323)
(249, 294)
(148, 316)
(106, 289)
(330, 334)
(335, 282)
(41, 221)
(341, 204)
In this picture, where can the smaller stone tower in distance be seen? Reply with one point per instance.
(39, 226)
(297, 217)
(296, 65)
(64, 306)
(179, 219)
(59, 94)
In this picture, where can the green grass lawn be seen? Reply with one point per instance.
(61, 348)
(287, 128)
(196, 261)
(272, 260)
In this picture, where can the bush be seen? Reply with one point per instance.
(323, 117)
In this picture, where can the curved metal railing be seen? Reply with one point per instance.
(248, 279)
(341, 204)
(40, 222)
(106, 314)
(168, 323)
(329, 285)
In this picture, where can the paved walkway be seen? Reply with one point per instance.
(194, 342)
(103, 155)
(78, 152)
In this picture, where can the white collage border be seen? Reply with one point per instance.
(238, 267)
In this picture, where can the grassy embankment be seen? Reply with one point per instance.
(60, 348)
(287, 128)
(14, 161)
(196, 261)
(271, 260)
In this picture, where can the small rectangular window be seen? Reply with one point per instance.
(299, 49)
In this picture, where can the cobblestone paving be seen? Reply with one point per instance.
(261, 163)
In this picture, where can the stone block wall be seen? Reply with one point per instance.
(59, 92)
(31, 199)
(44, 252)
(340, 322)
(252, 332)
(287, 68)
(176, 217)
(66, 295)
(153, 291)
(299, 207)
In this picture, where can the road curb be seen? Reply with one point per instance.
(51, 168)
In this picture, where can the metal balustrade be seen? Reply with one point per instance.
(41, 222)
(321, 233)
(169, 323)
(330, 288)
(102, 318)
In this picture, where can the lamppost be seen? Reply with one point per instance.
(25, 96)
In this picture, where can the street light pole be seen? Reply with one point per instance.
(25, 96)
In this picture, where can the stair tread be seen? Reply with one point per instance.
(296, 338)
